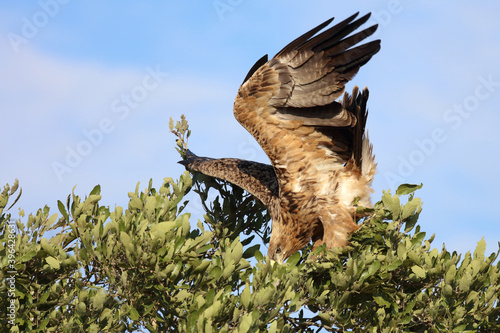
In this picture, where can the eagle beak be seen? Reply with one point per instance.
(184, 162)
(276, 259)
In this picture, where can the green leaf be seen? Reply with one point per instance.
(293, 259)
(402, 251)
(118, 212)
(245, 297)
(98, 299)
(135, 202)
(381, 315)
(411, 207)
(45, 296)
(259, 256)
(250, 252)
(480, 249)
(92, 199)
(150, 206)
(447, 291)
(274, 327)
(228, 271)
(134, 315)
(81, 308)
(410, 222)
(215, 272)
(383, 300)
(465, 282)
(28, 256)
(96, 190)
(394, 265)
(106, 314)
(201, 267)
(419, 271)
(460, 328)
(127, 241)
(325, 318)
(450, 275)
(236, 252)
(53, 262)
(51, 220)
(63, 210)
(171, 124)
(404, 189)
(159, 230)
(245, 323)
(373, 268)
(392, 203)
(264, 295)
(248, 240)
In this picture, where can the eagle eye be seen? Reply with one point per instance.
(278, 250)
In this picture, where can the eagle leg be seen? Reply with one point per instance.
(335, 229)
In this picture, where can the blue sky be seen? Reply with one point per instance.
(87, 90)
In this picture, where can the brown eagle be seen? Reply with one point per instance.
(322, 160)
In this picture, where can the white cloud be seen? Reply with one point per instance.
(50, 104)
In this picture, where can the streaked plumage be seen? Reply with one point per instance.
(321, 158)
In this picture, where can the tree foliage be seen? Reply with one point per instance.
(92, 268)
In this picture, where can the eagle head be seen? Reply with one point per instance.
(276, 252)
(284, 243)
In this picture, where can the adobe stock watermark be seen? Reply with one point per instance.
(121, 107)
(31, 26)
(224, 7)
(383, 17)
(10, 279)
(248, 149)
(453, 119)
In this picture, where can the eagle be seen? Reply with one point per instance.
(322, 162)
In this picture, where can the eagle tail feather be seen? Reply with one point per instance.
(362, 154)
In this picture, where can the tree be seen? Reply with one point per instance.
(91, 268)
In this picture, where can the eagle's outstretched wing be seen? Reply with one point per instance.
(256, 178)
(288, 103)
